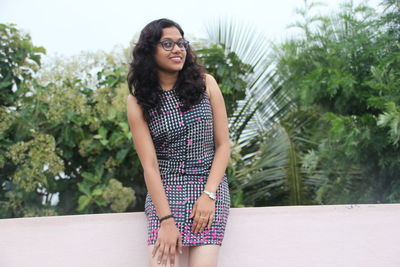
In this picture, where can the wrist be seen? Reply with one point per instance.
(211, 195)
(169, 221)
(166, 218)
(210, 188)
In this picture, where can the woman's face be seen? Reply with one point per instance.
(170, 61)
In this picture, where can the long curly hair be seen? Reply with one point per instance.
(143, 81)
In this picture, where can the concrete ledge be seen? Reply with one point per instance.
(334, 235)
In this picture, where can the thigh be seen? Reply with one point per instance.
(203, 256)
(153, 260)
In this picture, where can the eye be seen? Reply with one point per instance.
(181, 44)
(167, 44)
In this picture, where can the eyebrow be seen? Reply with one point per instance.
(170, 39)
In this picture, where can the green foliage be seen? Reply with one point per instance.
(276, 176)
(229, 72)
(36, 162)
(66, 146)
(317, 121)
(118, 196)
(346, 67)
(391, 119)
(333, 62)
(264, 103)
(19, 60)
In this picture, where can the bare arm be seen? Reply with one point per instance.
(145, 149)
(221, 135)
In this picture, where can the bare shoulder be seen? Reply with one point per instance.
(131, 99)
(134, 112)
(216, 96)
(132, 105)
(211, 85)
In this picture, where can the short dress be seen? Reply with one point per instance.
(184, 145)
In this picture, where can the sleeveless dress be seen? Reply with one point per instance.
(184, 145)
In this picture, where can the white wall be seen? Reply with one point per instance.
(335, 235)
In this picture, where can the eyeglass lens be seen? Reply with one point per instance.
(168, 45)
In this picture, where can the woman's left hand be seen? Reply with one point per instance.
(203, 213)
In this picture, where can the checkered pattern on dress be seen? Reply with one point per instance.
(184, 145)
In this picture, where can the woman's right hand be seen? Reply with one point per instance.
(169, 239)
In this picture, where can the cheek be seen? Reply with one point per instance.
(159, 53)
(160, 60)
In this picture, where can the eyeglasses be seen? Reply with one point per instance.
(168, 45)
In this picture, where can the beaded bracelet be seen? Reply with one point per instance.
(166, 217)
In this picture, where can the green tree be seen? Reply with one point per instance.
(228, 70)
(66, 145)
(252, 168)
(19, 60)
(346, 69)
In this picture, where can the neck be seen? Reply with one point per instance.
(167, 80)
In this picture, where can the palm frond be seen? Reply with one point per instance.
(265, 102)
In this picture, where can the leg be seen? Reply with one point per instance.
(153, 260)
(203, 256)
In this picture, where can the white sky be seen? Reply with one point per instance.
(68, 26)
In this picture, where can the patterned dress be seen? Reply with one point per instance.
(184, 145)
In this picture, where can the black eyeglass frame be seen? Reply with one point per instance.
(185, 44)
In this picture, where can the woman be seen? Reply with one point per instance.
(179, 127)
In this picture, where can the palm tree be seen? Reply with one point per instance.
(265, 159)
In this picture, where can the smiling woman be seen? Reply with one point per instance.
(179, 127)
(169, 59)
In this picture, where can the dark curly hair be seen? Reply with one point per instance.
(142, 77)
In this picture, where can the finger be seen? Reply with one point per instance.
(194, 226)
(210, 221)
(200, 222)
(193, 211)
(195, 222)
(203, 225)
(180, 246)
(172, 256)
(165, 256)
(198, 228)
(156, 245)
(160, 253)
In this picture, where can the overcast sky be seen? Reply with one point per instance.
(69, 26)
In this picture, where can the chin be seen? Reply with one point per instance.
(172, 69)
(176, 69)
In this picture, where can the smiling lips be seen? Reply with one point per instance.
(176, 59)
